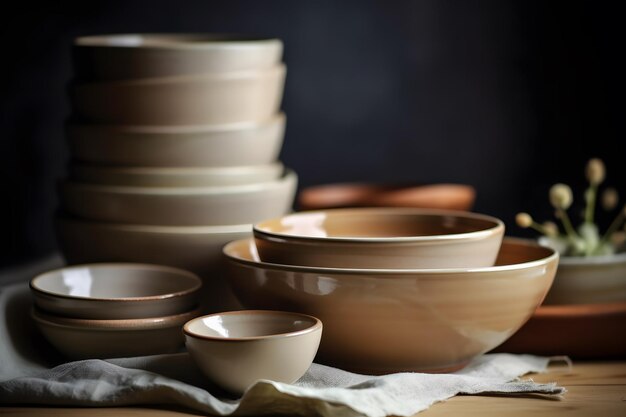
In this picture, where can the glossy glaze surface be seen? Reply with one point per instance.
(178, 146)
(382, 321)
(176, 206)
(131, 56)
(380, 238)
(116, 291)
(203, 99)
(235, 349)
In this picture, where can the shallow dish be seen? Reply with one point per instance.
(239, 144)
(385, 321)
(236, 349)
(116, 291)
(231, 97)
(175, 177)
(380, 238)
(434, 196)
(130, 56)
(197, 249)
(101, 339)
(177, 206)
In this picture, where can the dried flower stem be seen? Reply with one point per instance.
(590, 199)
(567, 224)
(615, 225)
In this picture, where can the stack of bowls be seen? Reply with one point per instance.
(114, 310)
(397, 289)
(174, 142)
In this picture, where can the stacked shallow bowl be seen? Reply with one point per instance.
(174, 142)
(397, 289)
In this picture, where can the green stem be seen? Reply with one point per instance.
(567, 224)
(538, 227)
(590, 196)
(617, 222)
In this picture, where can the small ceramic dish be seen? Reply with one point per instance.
(379, 321)
(231, 145)
(175, 177)
(394, 238)
(101, 339)
(116, 291)
(148, 55)
(221, 98)
(235, 349)
(180, 206)
(433, 196)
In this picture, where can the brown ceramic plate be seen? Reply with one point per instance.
(583, 331)
(436, 196)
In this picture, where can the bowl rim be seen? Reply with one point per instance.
(287, 177)
(138, 324)
(178, 41)
(317, 325)
(81, 166)
(496, 228)
(461, 273)
(193, 288)
(585, 261)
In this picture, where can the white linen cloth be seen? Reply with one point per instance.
(26, 377)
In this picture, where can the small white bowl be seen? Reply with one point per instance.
(101, 339)
(116, 291)
(236, 349)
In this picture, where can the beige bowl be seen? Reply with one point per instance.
(190, 206)
(384, 321)
(129, 56)
(197, 249)
(178, 146)
(186, 100)
(395, 238)
(101, 339)
(236, 349)
(116, 291)
(175, 177)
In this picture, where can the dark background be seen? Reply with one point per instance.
(509, 96)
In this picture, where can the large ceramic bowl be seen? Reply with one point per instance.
(130, 56)
(236, 349)
(197, 249)
(178, 146)
(177, 206)
(175, 177)
(219, 98)
(116, 291)
(384, 321)
(380, 238)
(588, 280)
(101, 339)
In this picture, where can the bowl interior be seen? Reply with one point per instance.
(116, 281)
(374, 223)
(253, 324)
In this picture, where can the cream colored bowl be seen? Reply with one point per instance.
(197, 249)
(190, 206)
(395, 238)
(101, 339)
(385, 321)
(178, 146)
(116, 291)
(129, 56)
(185, 100)
(175, 177)
(236, 349)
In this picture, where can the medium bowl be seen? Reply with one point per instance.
(116, 291)
(236, 349)
(175, 177)
(232, 97)
(101, 339)
(178, 146)
(196, 249)
(433, 196)
(177, 206)
(385, 321)
(131, 56)
(380, 238)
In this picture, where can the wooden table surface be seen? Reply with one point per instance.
(595, 389)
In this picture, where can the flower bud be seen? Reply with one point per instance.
(610, 198)
(595, 171)
(551, 229)
(523, 220)
(561, 196)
